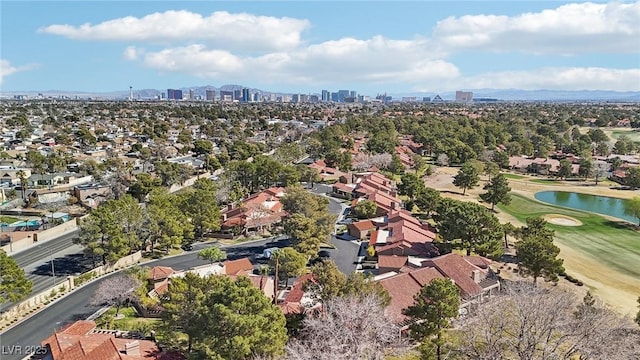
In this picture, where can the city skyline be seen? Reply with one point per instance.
(309, 46)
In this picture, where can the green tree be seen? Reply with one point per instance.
(497, 191)
(330, 283)
(143, 185)
(471, 225)
(184, 309)
(365, 209)
(102, 234)
(241, 322)
(632, 178)
(200, 205)
(632, 207)
(428, 200)
(213, 254)
(167, 224)
(14, 284)
(537, 255)
(565, 170)
(586, 168)
(202, 147)
(434, 307)
(467, 177)
(501, 158)
(306, 233)
(411, 185)
(291, 263)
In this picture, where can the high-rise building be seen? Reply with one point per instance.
(191, 95)
(326, 95)
(426, 99)
(464, 96)
(237, 95)
(246, 96)
(210, 95)
(226, 95)
(174, 94)
(353, 94)
(342, 95)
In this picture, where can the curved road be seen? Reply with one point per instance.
(75, 306)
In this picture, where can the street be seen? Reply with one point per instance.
(68, 259)
(75, 306)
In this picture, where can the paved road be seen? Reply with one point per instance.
(346, 252)
(68, 259)
(76, 306)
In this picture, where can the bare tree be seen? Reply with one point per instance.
(363, 161)
(533, 323)
(115, 291)
(381, 160)
(443, 160)
(352, 327)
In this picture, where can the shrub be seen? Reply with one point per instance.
(53, 293)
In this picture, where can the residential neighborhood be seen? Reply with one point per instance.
(275, 212)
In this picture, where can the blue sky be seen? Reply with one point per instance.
(306, 46)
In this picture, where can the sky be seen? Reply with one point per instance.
(306, 46)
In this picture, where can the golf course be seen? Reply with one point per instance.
(603, 252)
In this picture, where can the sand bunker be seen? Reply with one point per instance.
(562, 220)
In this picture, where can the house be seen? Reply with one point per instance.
(296, 300)
(403, 235)
(237, 267)
(82, 340)
(402, 287)
(360, 229)
(92, 195)
(257, 213)
(326, 172)
(471, 274)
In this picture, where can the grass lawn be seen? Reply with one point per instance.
(8, 219)
(632, 135)
(513, 176)
(612, 243)
(130, 322)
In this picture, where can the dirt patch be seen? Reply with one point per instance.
(563, 220)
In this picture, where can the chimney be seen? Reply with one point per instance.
(132, 348)
(477, 276)
(393, 205)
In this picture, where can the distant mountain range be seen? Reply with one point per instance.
(499, 94)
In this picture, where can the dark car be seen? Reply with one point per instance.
(187, 247)
(324, 254)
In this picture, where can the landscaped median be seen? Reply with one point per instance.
(36, 303)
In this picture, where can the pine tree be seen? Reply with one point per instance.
(497, 191)
(467, 177)
(433, 307)
(14, 285)
(537, 253)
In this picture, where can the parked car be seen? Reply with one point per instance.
(187, 247)
(324, 254)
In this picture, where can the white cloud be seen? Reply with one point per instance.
(132, 53)
(377, 60)
(568, 29)
(223, 29)
(7, 69)
(549, 78)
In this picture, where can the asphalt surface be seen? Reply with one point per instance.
(75, 306)
(68, 259)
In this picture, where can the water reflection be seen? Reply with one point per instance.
(594, 203)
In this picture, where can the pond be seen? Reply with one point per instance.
(593, 203)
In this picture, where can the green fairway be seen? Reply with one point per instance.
(612, 243)
(632, 135)
(513, 176)
(547, 181)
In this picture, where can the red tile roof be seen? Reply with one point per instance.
(456, 268)
(391, 261)
(403, 287)
(72, 344)
(160, 272)
(363, 225)
(238, 267)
